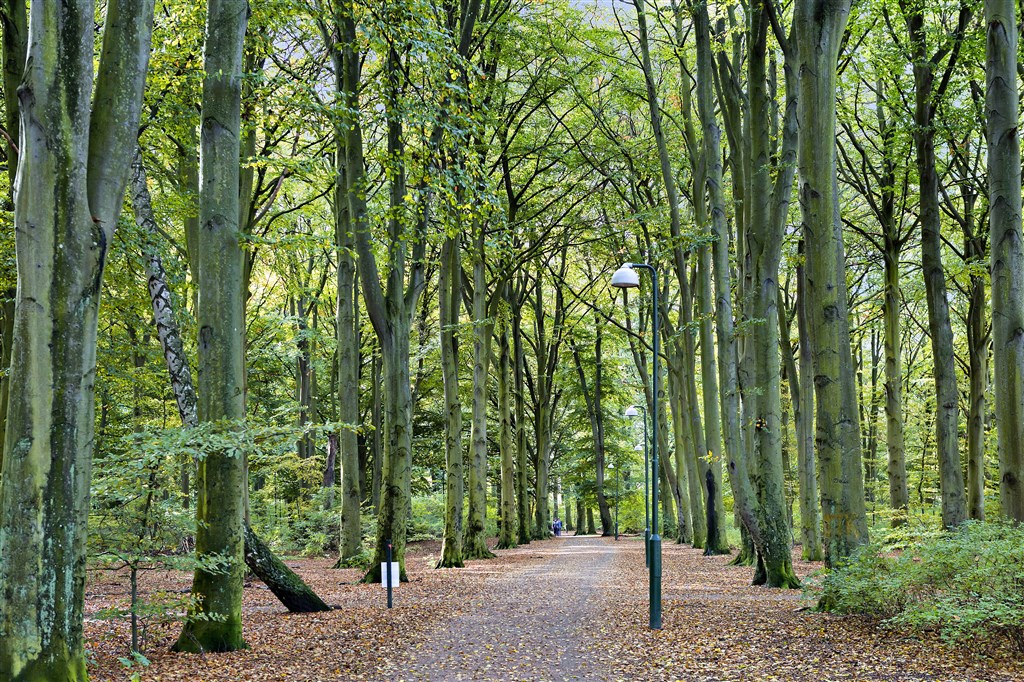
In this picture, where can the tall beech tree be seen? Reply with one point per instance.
(769, 207)
(1004, 188)
(348, 210)
(391, 301)
(76, 144)
(282, 581)
(818, 27)
(927, 96)
(216, 622)
(449, 292)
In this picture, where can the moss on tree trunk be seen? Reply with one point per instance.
(295, 594)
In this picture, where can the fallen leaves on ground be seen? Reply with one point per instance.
(560, 609)
(719, 627)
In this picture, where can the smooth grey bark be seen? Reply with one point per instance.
(803, 401)
(708, 444)
(769, 207)
(881, 188)
(685, 463)
(347, 325)
(947, 408)
(978, 337)
(1004, 188)
(76, 142)
(697, 460)
(899, 494)
(685, 437)
(714, 503)
(449, 291)
(377, 438)
(522, 454)
(507, 530)
(728, 359)
(801, 376)
(215, 623)
(389, 305)
(14, 25)
(819, 26)
(977, 342)
(676, 517)
(549, 330)
(592, 398)
(474, 541)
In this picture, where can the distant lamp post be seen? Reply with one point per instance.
(618, 479)
(626, 277)
(634, 411)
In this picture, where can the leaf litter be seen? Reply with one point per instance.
(568, 608)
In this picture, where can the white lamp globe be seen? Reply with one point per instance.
(626, 277)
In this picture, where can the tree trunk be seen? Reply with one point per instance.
(947, 405)
(475, 539)
(718, 543)
(743, 491)
(216, 620)
(377, 438)
(819, 26)
(977, 343)
(542, 516)
(1004, 188)
(803, 400)
(390, 306)
(282, 581)
(182, 385)
(769, 208)
(689, 479)
(697, 461)
(522, 456)
(14, 22)
(347, 325)
(507, 532)
(449, 291)
(72, 170)
(6, 342)
(899, 495)
(592, 400)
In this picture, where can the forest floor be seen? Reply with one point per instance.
(569, 608)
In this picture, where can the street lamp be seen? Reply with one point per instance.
(618, 479)
(626, 277)
(634, 411)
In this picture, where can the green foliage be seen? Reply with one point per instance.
(968, 585)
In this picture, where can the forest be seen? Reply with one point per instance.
(329, 277)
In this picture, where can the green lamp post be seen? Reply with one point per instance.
(627, 277)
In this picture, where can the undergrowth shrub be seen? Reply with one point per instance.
(967, 585)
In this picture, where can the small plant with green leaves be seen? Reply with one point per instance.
(967, 584)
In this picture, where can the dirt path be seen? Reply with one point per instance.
(527, 622)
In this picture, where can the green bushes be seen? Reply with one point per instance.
(968, 585)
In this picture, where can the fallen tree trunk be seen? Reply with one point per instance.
(288, 587)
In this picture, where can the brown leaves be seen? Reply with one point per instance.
(719, 627)
(561, 609)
